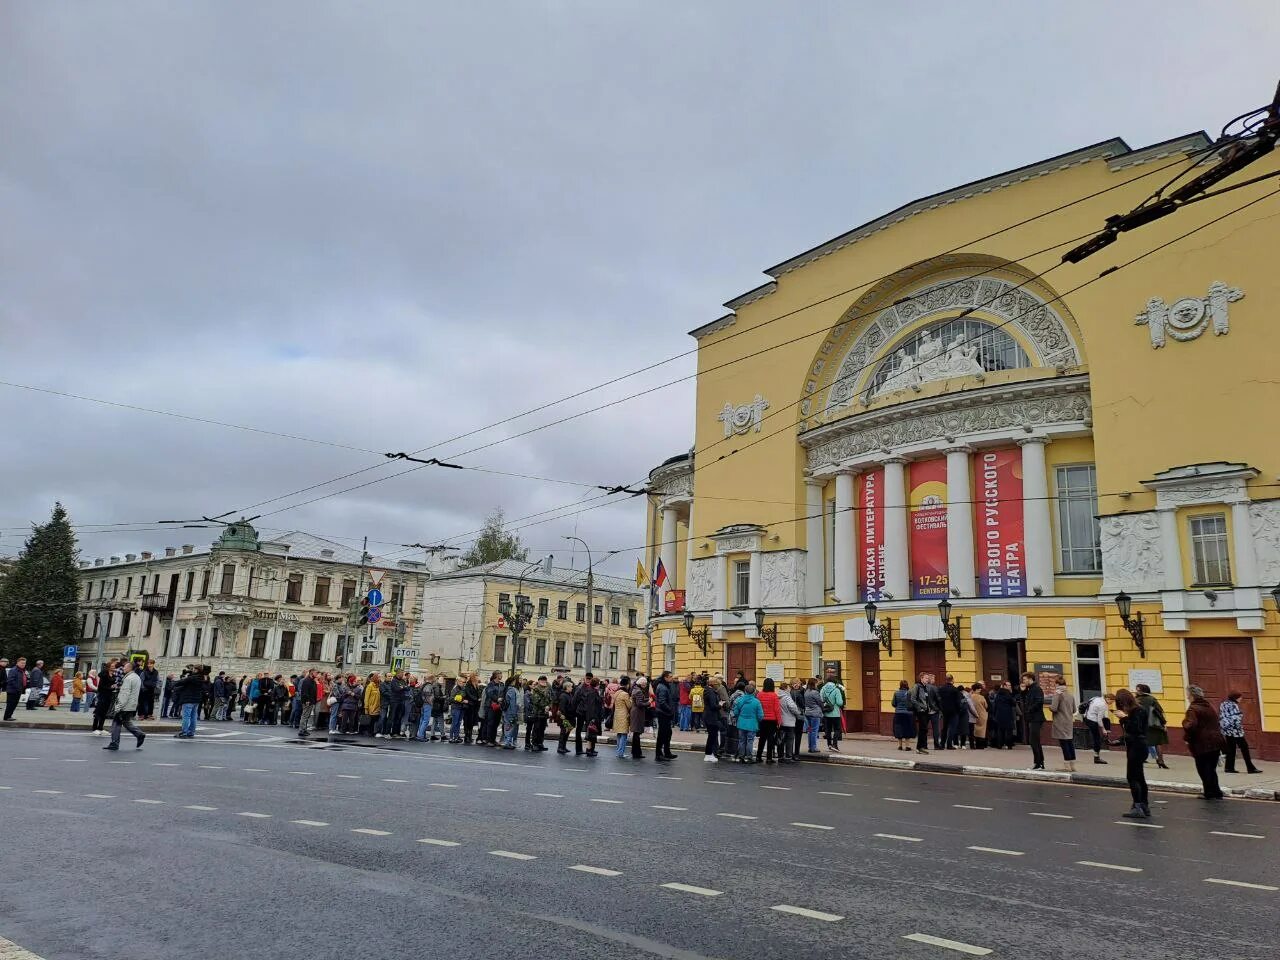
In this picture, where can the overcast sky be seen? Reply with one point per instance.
(385, 224)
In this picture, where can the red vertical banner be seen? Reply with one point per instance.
(998, 490)
(928, 502)
(870, 503)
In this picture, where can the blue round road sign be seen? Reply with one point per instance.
(374, 614)
(375, 597)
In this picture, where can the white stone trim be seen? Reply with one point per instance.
(921, 626)
(816, 632)
(998, 626)
(669, 637)
(1085, 629)
(856, 630)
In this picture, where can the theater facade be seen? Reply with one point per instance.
(932, 415)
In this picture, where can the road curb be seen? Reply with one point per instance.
(1000, 773)
(147, 726)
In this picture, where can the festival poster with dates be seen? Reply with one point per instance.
(998, 492)
(928, 501)
(870, 553)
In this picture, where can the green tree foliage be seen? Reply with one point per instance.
(38, 598)
(494, 543)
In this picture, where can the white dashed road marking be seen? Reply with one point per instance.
(663, 776)
(450, 785)
(833, 793)
(897, 836)
(207, 766)
(686, 888)
(598, 871)
(735, 816)
(198, 806)
(599, 800)
(1240, 883)
(899, 800)
(969, 806)
(254, 816)
(149, 801)
(302, 773)
(767, 787)
(393, 780)
(125, 762)
(616, 774)
(96, 796)
(73, 760)
(1053, 816)
(310, 823)
(482, 789)
(1243, 836)
(805, 912)
(811, 826)
(1108, 866)
(166, 764)
(955, 945)
(724, 783)
(659, 806)
(554, 796)
(1136, 823)
(511, 855)
(47, 791)
(439, 843)
(1003, 853)
(369, 832)
(255, 770)
(348, 776)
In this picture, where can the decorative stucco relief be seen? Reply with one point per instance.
(1189, 317)
(1264, 518)
(1132, 560)
(700, 591)
(782, 578)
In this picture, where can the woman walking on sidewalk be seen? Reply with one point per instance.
(1203, 732)
(1231, 719)
(1063, 708)
(1134, 719)
(1157, 731)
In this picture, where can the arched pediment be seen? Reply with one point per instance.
(937, 321)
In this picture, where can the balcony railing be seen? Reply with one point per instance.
(156, 602)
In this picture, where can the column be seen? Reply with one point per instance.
(667, 548)
(846, 568)
(1246, 556)
(815, 573)
(1170, 547)
(691, 545)
(897, 580)
(960, 560)
(1036, 531)
(753, 580)
(722, 584)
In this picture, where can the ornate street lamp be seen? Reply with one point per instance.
(768, 634)
(882, 631)
(700, 636)
(1275, 597)
(949, 627)
(1124, 603)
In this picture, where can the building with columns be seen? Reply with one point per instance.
(244, 604)
(933, 408)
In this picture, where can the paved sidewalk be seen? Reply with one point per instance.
(869, 751)
(63, 719)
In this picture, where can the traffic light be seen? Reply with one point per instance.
(364, 611)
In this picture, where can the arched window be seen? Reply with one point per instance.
(961, 346)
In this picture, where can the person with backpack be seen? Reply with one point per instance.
(770, 719)
(564, 714)
(1096, 719)
(747, 714)
(539, 709)
(697, 694)
(833, 701)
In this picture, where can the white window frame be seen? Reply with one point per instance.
(500, 648)
(741, 573)
(1070, 542)
(1076, 660)
(1219, 541)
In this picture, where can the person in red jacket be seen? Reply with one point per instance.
(770, 722)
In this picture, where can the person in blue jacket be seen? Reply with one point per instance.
(747, 714)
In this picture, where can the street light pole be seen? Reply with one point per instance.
(591, 610)
(519, 614)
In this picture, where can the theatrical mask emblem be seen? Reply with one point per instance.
(1189, 317)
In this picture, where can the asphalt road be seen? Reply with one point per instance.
(235, 845)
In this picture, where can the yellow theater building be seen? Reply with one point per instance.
(933, 411)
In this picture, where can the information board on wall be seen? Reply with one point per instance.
(998, 492)
(1047, 676)
(870, 530)
(1153, 678)
(928, 529)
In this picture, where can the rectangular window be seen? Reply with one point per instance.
(199, 636)
(613, 658)
(128, 586)
(366, 656)
(560, 646)
(1079, 535)
(167, 633)
(115, 588)
(88, 590)
(582, 613)
(544, 607)
(258, 646)
(615, 616)
(540, 651)
(320, 598)
(228, 578)
(631, 617)
(500, 649)
(182, 641)
(597, 614)
(562, 610)
(578, 649)
(1088, 671)
(213, 642)
(287, 639)
(595, 656)
(249, 592)
(126, 616)
(293, 589)
(84, 625)
(1209, 551)
(397, 598)
(669, 657)
(503, 600)
(102, 589)
(631, 659)
(521, 644)
(741, 583)
(151, 617)
(315, 649)
(348, 592)
(204, 584)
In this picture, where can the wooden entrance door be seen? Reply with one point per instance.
(740, 656)
(931, 657)
(1220, 666)
(871, 688)
(1001, 660)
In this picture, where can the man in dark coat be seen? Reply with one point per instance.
(1033, 717)
(15, 681)
(668, 707)
(35, 683)
(588, 708)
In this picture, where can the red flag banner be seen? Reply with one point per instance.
(870, 503)
(1001, 568)
(928, 502)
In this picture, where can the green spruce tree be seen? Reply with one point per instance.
(38, 598)
(494, 543)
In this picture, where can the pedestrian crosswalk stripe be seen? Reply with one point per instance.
(955, 945)
(598, 871)
(686, 888)
(806, 912)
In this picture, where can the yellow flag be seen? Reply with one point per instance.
(642, 577)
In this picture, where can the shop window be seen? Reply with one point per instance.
(1209, 550)
(1079, 538)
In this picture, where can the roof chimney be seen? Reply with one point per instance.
(84, 563)
(115, 559)
(326, 552)
(170, 551)
(131, 557)
(146, 554)
(188, 547)
(97, 561)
